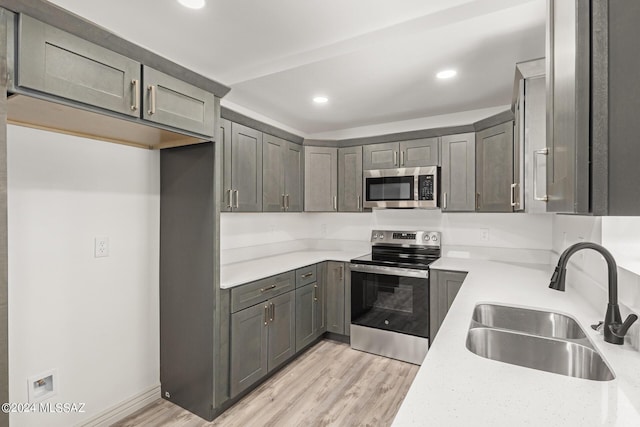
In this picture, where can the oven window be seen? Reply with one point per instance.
(393, 303)
(390, 188)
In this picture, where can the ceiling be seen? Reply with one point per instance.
(375, 60)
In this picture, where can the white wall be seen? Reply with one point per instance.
(519, 231)
(95, 320)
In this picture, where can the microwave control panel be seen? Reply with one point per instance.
(425, 187)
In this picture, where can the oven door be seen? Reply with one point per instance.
(392, 299)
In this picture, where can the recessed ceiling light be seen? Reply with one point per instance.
(192, 4)
(320, 99)
(446, 74)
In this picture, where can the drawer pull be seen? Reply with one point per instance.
(309, 274)
(315, 292)
(268, 289)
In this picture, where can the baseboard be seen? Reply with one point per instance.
(123, 409)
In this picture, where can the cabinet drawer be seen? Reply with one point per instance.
(305, 275)
(261, 290)
(55, 62)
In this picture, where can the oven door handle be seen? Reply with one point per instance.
(389, 271)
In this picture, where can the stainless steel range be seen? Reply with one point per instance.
(390, 294)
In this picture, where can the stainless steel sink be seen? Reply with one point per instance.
(544, 323)
(535, 339)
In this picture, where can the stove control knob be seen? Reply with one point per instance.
(434, 238)
(426, 237)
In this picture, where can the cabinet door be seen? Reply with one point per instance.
(420, 152)
(249, 333)
(568, 116)
(381, 156)
(494, 169)
(58, 63)
(282, 328)
(178, 104)
(350, 179)
(246, 168)
(443, 288)
(224, 137)
(293, 177)
(320, 179)
(335, 297)
(273, 171)
(306, 312)
(459, 172)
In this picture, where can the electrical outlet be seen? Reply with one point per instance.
(484, 234)
(101, 248)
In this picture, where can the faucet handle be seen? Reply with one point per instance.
(598, 326)
(620, 330)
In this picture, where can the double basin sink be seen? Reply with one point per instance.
(542, 340)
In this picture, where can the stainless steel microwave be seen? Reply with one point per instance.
(401, 188)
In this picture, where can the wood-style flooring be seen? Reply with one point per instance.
(329, 385)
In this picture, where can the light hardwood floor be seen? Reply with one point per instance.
(329, 385)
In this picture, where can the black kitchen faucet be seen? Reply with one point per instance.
(614, 329)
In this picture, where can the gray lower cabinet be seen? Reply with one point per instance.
(281, 175)
(172, 102)
(458, 173)
(350, 179)
(262, 338)
(402, 154)
(443, 288)
(320, 179)
(309, 314)
(336, 301)
(494, 169)
(55, 62)
(245, 166)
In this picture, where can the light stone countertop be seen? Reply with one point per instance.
(455, 387)
(239, 273)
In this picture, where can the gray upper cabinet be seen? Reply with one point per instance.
(320, 179)
(273, 171)
(223, 137)
(172, 102)
(494, 169)
(282, 175)
(459, 173)
(412, 153)
(419, 152)
(381, 156)
(350, 179)
(568, 88)
(335, 290)
(443, 288)
(294, 177)
(245, 192)
(55, 62)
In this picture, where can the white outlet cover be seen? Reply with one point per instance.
(49, 388)
(101, 247)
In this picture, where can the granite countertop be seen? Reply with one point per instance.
(243, 272)
(455, 387)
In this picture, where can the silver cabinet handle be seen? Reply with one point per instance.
(315, 292)
(152, 98)
(283, 204)
(268, 289)
(402, 158)
(444, 200)
(136, 94)
(358, 200)
(229, 199)
(395, 158)
(536, 153)
(273, 312)
(335, 203)
(477, 200)
(309, 274)
(513, 194)
(286, 205)
(266, 315)
(342, 272)
(237, 204)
